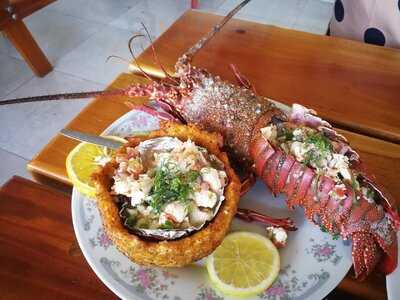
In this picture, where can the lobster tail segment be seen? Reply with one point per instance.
(314, 166)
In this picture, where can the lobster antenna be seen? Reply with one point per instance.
(157, 60)
(63, 97)
(187, 57)
(135, 59)
(117, 57)
(242, 79)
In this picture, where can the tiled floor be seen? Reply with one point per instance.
(78, 36)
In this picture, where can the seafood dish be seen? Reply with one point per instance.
(168, 198)
(292, 151)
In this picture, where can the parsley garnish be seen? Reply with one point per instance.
(322, 148)
(285, 134)
(354, 183)
(171, 184)
(167, 225)
(370, 193)
(320, 141)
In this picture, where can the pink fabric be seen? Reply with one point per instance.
(359, 15)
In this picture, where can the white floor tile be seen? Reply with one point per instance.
(89, 59)
(315, 17)
(11, 165)
(254, 7)
(26, 128)
(4, 44)
(245, 17)
(157, 15)
(101, 11)
(281, 13)
(284, 13)
(210, 5)
(13, 73)
(56, 34)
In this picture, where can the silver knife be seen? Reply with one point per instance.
(91, 138)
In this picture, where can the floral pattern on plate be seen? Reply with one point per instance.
(323, 252)
(313, 263)
(289, 286)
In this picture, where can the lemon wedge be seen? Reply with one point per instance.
(83, 160)
(244, 265)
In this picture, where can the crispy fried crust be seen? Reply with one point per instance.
(175, 253)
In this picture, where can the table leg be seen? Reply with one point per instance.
(21, 38)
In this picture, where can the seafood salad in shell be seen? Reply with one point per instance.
(167, 188)
(168, 198)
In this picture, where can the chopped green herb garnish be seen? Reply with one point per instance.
(336, 236)
(130, 222)
(285, 134)
(354, 183)
(171, 184)
(370, 193)
(167, 225)
(288, 134)
(320, 142)
(322, 147)
(142, 223)
(323, 228)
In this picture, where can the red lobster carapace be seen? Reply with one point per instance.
(293, 152)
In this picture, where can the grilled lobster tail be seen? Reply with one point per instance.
(343, 201)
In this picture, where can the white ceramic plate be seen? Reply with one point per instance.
(312, 264)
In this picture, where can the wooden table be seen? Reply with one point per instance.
(40, 258)
(353, 85)
(382, 156)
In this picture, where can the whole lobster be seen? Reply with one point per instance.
(252, 127)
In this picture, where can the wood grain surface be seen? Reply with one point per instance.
(40, 258)
(354, 85)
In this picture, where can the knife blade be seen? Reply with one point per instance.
(91, 138)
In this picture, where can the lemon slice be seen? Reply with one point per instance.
(83, 160)
(245, 264)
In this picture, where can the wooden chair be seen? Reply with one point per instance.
(12, 13)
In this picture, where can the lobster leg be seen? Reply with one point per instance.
(247, 184)
(250, 216)
(365, 254)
